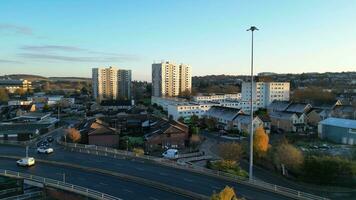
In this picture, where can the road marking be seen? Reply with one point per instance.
(103, 184)
(153, 198)
(139, 168)
(162, 174)
(188, 180)
(215, 187)
(126, 190)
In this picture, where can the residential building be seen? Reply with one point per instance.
(338, 130)
(344, 111)
(288, 121)
(216, 97)
(12, 85)
(243, 123)
(170, 79)
(111, 83)
(163, 134)
(264, 93)
(186, 110)
(225, 116)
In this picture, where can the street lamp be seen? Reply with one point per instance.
(252, 29)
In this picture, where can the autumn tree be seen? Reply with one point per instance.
(227, 193)
(230, 151)
(73, 135)
(260, 142)
(286, 154)
(4, 97)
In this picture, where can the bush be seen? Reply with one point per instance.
(227, 166)
(227, 193)
(288, 155)
(73, 135)
(138, 151)
(230, 151)
(260, 142)
(328, 170)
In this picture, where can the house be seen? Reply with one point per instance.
(288, 121)
(338, 130)
(103, 135)
(314, 116)
(243, 123)
(344, 111)
(166, 134)
(116, 105)
(266, 122)
(225, 116)
(277, 106)
(298, 108)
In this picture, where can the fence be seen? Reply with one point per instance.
(60, 185)
(105, 151)
(25, 196)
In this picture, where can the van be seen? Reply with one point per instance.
(170, 154)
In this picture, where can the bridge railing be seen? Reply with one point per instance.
(106, 151)
(59, 184)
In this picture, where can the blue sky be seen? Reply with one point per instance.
(69, 37)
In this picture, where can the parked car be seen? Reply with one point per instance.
(49, 139)
(26, 162)
(170, 154)
(45, 150)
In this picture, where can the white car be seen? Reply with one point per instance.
(29, 161)
(45, 150)
(170, 154)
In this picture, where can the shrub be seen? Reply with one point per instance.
(138, 151)
(288, 155)
(73, 135)
(260, 142)
(230, 151)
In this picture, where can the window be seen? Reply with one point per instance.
(352, 130)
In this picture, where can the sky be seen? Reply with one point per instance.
(69, 37)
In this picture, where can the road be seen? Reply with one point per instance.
(197, 183)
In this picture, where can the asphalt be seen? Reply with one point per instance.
(197, 183)
(103, 183)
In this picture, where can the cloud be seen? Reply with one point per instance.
(52, 48)
(118, 58)
(12, 28)
(10, 61)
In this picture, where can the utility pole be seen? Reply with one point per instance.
(252, 29)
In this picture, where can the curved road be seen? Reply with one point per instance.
(197, 183)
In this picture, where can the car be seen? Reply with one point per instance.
(45, 150)
(170, 154)
(26, 162)
(40, 143)
(49, 139)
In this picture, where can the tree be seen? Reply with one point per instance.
(185, 94)
(230, 151)
(84, 91)
(260, 142)
(194, 120)
(138, 151)
(227, 193)
(181, 119)
(73, 135)
(4, 97)
(211, 122)
(289, 156)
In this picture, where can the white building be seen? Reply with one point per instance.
(111, 83)
(169, 79)
(217, 97)
(186, 110)
(264, 93)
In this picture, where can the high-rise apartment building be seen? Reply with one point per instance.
(264, 93)
(170, 79)
(111, 83)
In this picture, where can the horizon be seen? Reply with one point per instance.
(132, 35)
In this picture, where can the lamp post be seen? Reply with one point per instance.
(252, 29)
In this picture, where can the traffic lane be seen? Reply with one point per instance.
(179, 178)
(99, 182)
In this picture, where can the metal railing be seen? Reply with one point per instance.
(60, 185)
(25, 196)
(8, 191)
(110, 152)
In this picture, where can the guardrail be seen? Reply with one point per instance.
(105, 151)
(25, 196)
(60, 185)
(8, 191)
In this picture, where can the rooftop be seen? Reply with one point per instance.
(345, 123)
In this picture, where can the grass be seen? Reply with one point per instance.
(230, 167)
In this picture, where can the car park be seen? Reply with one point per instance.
(49, 139)
(26, 162)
